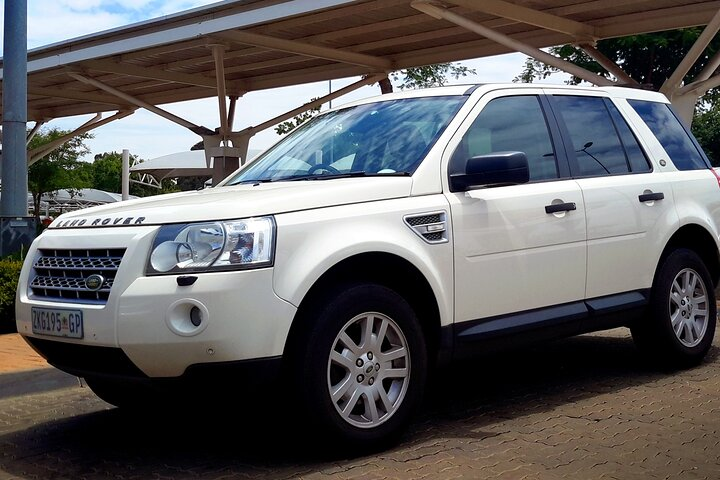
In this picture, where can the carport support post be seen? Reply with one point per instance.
(125, 174)
(17, 229)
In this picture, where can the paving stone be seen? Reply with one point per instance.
(581, 408)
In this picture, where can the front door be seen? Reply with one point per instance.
(520, 247)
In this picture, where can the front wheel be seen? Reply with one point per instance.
(681, 323)
(362, 365)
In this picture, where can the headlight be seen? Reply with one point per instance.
(222, 245)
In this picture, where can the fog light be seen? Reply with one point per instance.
(195, 316)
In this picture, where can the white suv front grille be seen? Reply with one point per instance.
(61, 274)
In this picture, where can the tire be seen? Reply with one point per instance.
(679, 328)
(377, 382)
(127, 395)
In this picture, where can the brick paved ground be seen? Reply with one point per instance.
(581, 408)
(16, 355)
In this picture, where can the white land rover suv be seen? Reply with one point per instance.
(385, 237)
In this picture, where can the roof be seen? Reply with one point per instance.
(275, 43)
(181, 164)
(86, 195)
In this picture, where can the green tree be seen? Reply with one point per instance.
(649, 59)
(297, 120)
(59, 169)
(706, 128)
(107, 176)
(416, 77)
(430, 75)
(107, 172)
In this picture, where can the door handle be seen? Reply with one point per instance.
(560, 207)
(649, 197)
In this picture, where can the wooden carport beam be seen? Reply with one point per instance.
(709, 68)
(609, 65)
(33, 132)
(218, 52)
(503, 9)
(442, 13)
(109, 66)
(200, 130)
(38, 153)
(700, 87)
(300, 48)
(673, 82)
(70, 94)
(368, 80)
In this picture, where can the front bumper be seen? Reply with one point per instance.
(146, 319)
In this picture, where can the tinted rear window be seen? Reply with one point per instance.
(670, 133)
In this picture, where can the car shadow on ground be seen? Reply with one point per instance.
(7, 326)
(251, 438)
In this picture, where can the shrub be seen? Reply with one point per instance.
(9, 274)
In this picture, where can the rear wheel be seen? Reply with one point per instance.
(681, 323)
(362, 365)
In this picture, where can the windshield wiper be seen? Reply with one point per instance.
(357, 173)
(330, 176)
(254, 181)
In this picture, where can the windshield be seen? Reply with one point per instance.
(384, 138)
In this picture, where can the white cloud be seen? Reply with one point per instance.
(168, 7)
(78, 5)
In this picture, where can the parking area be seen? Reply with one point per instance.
(585, 407)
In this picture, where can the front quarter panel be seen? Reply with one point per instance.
(309, 243)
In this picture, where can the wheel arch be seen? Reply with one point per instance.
(382, 268)
(698, 239)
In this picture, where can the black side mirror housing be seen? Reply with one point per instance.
(492, 170)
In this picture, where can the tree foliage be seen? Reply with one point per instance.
(649, 58)
(706, 128)
(59, 169)
(430, 75)
(107, 176)
(297, 120)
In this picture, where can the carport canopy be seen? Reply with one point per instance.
(229, 48)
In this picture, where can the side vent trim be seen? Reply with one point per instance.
(430, 226)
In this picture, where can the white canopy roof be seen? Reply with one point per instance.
(84, 195)
(180, 164)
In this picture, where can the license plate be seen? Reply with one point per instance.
(58, 323)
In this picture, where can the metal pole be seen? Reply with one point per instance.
(14, 163)
(17, 230)
(125, 174)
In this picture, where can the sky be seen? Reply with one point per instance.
(147, 135)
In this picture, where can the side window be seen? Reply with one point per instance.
(510, 124)
(671, 134)
(636, 156)
(595, 141)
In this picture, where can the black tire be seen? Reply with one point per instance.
(128, 395)
(315, 374)
(656, 335)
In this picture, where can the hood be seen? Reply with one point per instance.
(238, 201)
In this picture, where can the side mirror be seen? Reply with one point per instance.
(492, 170)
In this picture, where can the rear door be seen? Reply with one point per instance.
(627, 205)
